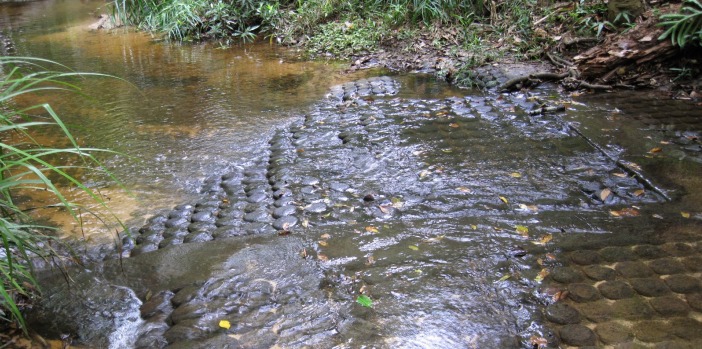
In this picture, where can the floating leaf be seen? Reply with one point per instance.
(303, 253)
(370, 260)
(515, 175)
(473, 226)
(655, 150)
(305, 223)
(464, 189)
(544, 239)
(604, 194)
(424, 173)
(538, 342)
(620, 174)
(365, 301)
(322, 243)
(322, 257)
(384, 209)
(525, 207)
(560, 295)
(414, 247)
(625, 212)
(657, 216)
(524, 231)
(371, 229)
(325, 236)
(397, 203)
(542, 274)
(504, 277)
(639, 192)
(225, 324)
(685, 214)
(454, 125)
(504, 199)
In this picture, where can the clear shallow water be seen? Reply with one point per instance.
(177, 113)
(452, 179)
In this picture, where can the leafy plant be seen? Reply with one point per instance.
(26, 165)
(684, 27)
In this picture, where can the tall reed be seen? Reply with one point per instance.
(27, 165)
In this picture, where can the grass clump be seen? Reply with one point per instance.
(26, 166)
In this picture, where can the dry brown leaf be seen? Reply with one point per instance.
(655, 150)
(604, 194)
(325, 236)
(322, 257)
(463, 189)
(515, 175)
(322, 243)
(620, 174)
(454, 125)
(639, 192)
(371, 229)
(504, 199)
(685, 214)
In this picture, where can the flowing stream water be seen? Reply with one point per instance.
(270, 192)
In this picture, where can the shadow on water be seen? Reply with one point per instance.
(467, 220)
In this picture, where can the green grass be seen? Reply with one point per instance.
(27, 165)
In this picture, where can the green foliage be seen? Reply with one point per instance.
(26, 165)
(346, 38)
(684, 27)
(364, 301)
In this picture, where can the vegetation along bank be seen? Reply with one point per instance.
(600, 45)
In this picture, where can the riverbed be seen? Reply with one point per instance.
(273, 201)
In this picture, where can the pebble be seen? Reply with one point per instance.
(284, 211)
(285, 223)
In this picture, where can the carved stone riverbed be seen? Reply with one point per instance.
(442, 211)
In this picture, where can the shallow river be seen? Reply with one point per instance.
(267, 196)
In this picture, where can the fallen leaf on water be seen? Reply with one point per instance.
(370, 260)
(305, 223)
(464, 189)
(657, 216)
(504, 199)
(655, 150)
(685, 214)
(384, 209)
(639, 192)
(542, 274)
(604, 194)
(453, 124)
(525, 207)
(225, 324)
(414, 247)
(322, 243)
(620, 174)
(371, 229)
(364, 301)
(397, 203)
(544, 239)
(504, 277)
(325, 236)
(445, 150)
(322, 257)
(515, 175)
(664, 142)
(551, 256)
(303, 254)
(424, 174)
(634, 166)
(473, 226)
(538, 342)
(524, 231)
(560, 295)
(284, 232)
(625, 212)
